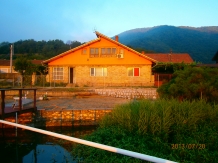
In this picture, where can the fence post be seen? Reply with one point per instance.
(50, 79)
(13, 80)
(22, 81)
(34, 103)
(43, 82)
(3, 102)
(20, 99)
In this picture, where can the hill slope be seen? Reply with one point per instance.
(201, 43)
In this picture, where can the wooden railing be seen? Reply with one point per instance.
(10, 110)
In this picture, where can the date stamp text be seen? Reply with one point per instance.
(188, 146)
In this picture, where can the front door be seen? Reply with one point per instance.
(71, 74)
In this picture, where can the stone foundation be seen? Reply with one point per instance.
(47, 118)
(72, 117)
(129, 93)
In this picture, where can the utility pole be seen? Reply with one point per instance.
(11, 55)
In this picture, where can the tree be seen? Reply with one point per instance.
(215, 57)
(36, 49)
(192, 83)
(23, 66)
(41, 70)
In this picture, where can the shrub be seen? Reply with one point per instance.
(159, 128)
(192, 83)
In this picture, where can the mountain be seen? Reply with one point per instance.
(201, 43)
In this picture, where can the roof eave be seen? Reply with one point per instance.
(69, 51)
(92, 41)
(114, 41)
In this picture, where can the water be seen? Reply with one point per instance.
(23, 146)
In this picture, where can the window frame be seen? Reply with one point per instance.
(113, 52)
(56, 75)
(103, 71)
(84, 51)
(103, 51)
(133, 73)
(108, 51)
(95, 50)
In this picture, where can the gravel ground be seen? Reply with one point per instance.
(80, 102)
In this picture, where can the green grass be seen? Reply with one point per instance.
(178, 131)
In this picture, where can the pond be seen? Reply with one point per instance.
(23, 146)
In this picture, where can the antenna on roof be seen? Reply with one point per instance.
(94, 29)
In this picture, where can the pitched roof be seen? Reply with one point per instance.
(126, 47)
(37, 62)
(99, 35)
(4, 62)
(171, 57)
(71, 50)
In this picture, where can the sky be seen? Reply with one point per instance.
(76, 20)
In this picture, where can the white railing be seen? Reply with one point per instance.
(92, 144)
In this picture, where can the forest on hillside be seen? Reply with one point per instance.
(41, 50)
(32, 49)
(201, 43)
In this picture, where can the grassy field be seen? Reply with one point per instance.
(178, 131)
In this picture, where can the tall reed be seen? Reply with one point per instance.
(157, 128)
(162, 117)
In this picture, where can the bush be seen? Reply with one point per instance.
(192, 83)
(180, 131)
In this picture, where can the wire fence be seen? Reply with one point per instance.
(16, 80)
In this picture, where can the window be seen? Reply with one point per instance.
(84, 51)
(108, 51)
(103, 51)
(133, 71)
(98, 71)
(94, 52)
(114, 51)
(58, 73)
(3, 70)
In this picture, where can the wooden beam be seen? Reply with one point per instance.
(34, 100)
(3, 103)
(20, 99)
